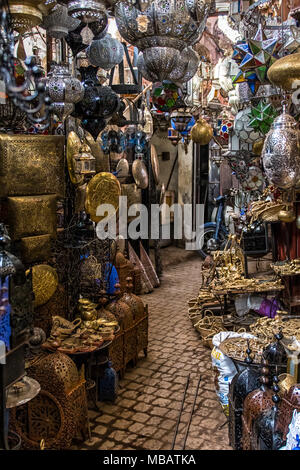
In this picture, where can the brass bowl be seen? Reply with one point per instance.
(285, 71)
(89, 315)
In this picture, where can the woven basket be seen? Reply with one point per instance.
(195, 315)
(207, 341)
(209, 324)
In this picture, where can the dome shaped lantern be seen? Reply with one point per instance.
(162, 32)
(178, 68)
(87, 11)
(105, 53)
(170, 24)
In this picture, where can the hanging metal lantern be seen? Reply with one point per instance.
(160, 62)
(202, 132)
(168, 63)
(85, 162)
(59, 23)
(87, 11)
(105, 53)
(75, 41)
(281, 152)
(98, 101)
(187, 67)
(148, 75)
(148, 124)
(94, 126)
(25, 15)
(170, 23)
(64, 90)
(216, 154)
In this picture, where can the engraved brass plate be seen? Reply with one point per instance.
(31, 165)
(104, 188)
(31, 215)
(44, 283)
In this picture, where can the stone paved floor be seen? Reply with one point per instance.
(145, 412)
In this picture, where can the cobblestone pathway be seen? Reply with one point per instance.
(145, 412)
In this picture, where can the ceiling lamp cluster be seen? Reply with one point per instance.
(163, 32)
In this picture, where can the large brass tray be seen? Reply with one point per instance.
(31, 165)
(104, 188)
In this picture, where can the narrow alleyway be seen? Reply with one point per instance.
(145, 412)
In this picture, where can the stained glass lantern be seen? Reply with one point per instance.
(254, 57)
(262, 117)
(166, 96)
(105, 53)
(85, 162)
(225, 129)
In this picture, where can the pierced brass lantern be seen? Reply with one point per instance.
(85, 162)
